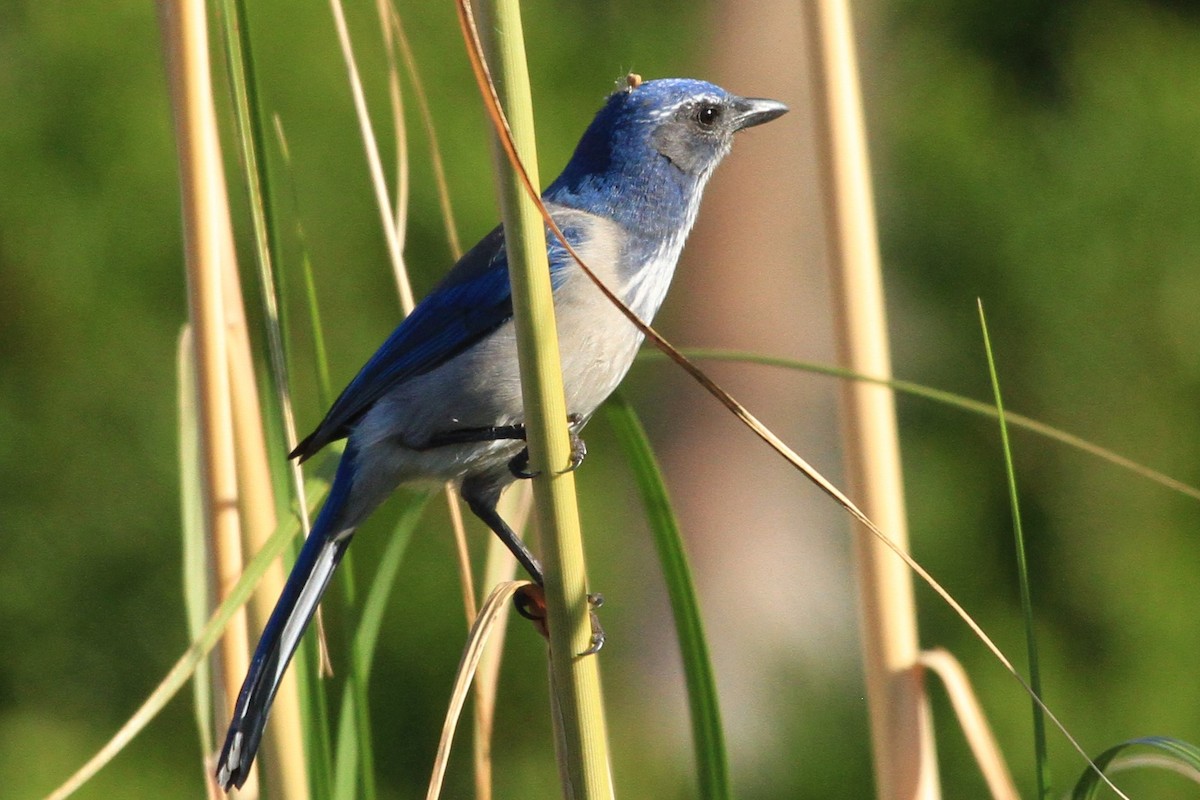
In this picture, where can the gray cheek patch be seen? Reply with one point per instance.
(676, 140)
(683, 149)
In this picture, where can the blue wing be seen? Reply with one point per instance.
(472, 301)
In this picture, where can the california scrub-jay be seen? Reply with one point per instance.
(441, 399)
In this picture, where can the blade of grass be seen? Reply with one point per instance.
(712, 762)
(393, 32)
(938, 396)
(435, 153)
(466, 580)
(499, 567)
(374, 164)
(1035, 680)
(396, 102)
(284, 755)
(394, 232)
(1181, 756)
(314, 707)
(320, 355)
(284, 751)
(353, 726)
(498, 564)
(195, 563)
(490, 615)
(972, 721)
(903, 555)
(311, 661)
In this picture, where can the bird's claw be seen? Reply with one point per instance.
(518, 465)
(595, 600)
(578, 453)
(530, 601)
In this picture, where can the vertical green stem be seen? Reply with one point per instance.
(283, 746)
(1041, 757)
(575, 678)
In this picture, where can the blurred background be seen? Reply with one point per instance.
(1042, 156)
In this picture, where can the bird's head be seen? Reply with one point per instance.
(658, 135)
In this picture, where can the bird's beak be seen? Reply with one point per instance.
(751, 111)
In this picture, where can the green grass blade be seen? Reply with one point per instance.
(314, 706)
(1172, 754)
(353, 720)
(1035, 679)
(248, 114)
(580, 725)
(938, 396)
(314, 710)
(195, 557)
(250, 117)
(324, 382)
(712, 763)
(320, 356)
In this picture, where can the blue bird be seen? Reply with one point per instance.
(441, 398)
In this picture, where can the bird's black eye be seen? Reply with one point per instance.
(707, 115)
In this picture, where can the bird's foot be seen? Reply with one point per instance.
(578, 453)
(530, 601)
(595, 600)
(518, 465)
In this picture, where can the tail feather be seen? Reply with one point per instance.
(318, 559)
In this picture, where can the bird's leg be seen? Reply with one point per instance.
(491, 433)
(481, 498)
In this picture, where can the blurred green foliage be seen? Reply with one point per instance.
(1043, 157)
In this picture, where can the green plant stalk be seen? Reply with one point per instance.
(353, 726)
(314, 711)
(712, 762)
(195, 563)
(938, 396)
(283, 750)
(314, 708)
(282, 746)
(575, 678)
(1035, 676)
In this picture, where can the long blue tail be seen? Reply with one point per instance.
(318, 559)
